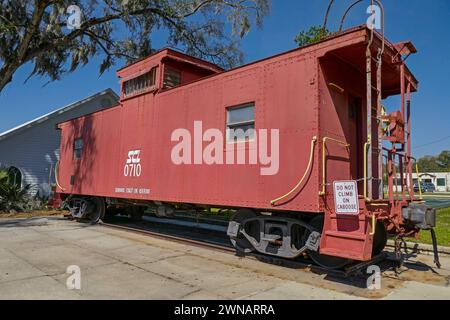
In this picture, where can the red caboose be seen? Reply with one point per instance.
(292, 142)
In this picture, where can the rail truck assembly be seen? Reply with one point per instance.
(333, 196)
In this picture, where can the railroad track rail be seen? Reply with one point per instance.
(164, 236)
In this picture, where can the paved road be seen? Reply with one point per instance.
(35, 253)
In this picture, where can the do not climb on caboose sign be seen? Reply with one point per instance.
(346, 197)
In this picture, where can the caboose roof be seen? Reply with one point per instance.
(348, 44)
(167, 54)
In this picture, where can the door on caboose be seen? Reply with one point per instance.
(355, 139)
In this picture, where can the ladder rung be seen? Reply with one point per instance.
(375, 88)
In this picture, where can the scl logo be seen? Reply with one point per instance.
(133, 165)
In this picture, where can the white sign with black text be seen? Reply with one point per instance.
(346, 197)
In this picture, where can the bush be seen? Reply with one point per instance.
(14, 198)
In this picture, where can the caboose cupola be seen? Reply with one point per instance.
(163, 70)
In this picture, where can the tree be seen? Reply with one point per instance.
(440, 163)
(35, 31)
(315, 33)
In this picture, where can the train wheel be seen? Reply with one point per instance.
(98, 211)
(327, 262)
(252, 228)
(379, 239)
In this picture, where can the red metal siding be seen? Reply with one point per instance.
(285, 89)
(283, 92)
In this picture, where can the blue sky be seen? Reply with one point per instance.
(426, 23)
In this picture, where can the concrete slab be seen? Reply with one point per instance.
(39, 288)
(299, 291)
(37, 244)
(14, 268)
(117, 264)
(56, 259)
(141, 253)
(197, 271)
(203, 295)
(418, 291)
(125, 281)
(18, 235)
(248, 288)
(73, 233)
(104, 242)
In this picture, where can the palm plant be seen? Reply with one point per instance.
(13, 197)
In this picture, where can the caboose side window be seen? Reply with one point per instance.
(140, 84)
(241, 123)
(77, 149)
(172, 78)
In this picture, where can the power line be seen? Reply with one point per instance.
(433, 142)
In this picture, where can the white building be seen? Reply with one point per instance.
(441, 180)
(31, 150)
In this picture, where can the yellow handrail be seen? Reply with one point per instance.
(374, 224)
(313, 143)
(324, 167)
(56, 176)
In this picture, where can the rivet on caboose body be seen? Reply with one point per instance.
(326, 199)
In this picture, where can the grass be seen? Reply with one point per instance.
(442, 229)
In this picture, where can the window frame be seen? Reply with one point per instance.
(17, 173)
(174, 70)
(139, 86)
(75, 155)
(238, 124)
(440, 185)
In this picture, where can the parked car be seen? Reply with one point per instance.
(425, 187)
(428, 187)
(416, 187)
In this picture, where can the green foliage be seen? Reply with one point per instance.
(3, 175)
(36, 32)
(313, 35)
(13, 197)
(440, 163)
